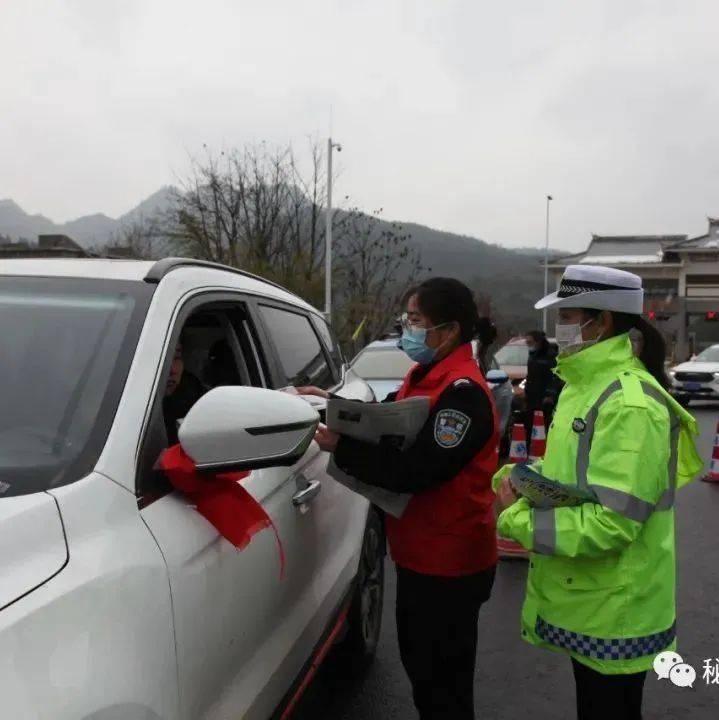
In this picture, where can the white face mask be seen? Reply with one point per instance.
(569, 337)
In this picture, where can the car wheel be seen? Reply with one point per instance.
(365, 614)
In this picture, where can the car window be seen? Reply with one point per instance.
(211, 347)
(68, 344)
(302, 360)
(205, 357)
(331, 343)
(382, 364)
(711, 354)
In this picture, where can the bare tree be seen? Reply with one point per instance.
(375, 267)
(254, 208)
(260, 209)
(142, 238)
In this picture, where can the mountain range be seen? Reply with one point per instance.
(513, 279)
(88, 230)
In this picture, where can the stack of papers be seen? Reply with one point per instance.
(398, 423)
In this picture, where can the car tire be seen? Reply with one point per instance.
(364, 619)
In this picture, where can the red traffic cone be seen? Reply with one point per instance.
(518, 448)
(713, 474)
(517, 454)
(538, 445)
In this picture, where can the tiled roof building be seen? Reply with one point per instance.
(680, 276)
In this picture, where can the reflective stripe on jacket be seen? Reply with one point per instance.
(601, 584)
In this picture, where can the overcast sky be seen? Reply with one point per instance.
(459, 114)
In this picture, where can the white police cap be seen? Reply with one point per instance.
(598, 288)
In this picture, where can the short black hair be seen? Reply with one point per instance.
(538, 336)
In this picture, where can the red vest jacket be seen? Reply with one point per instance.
(450, 530)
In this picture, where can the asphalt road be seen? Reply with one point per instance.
(515, 680)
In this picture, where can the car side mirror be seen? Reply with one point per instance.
(244, 428)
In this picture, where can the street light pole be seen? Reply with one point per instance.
(546, 265)
(328, 230)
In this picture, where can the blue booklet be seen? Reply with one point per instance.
(543, 492)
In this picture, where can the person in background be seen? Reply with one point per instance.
(542, 386)
(486, 337)
(444, 545)
(602, 575)
(182, 392)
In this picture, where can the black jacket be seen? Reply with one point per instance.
(541, 381)
(177, 405)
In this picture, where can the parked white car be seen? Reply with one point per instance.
(383, 365)
(697, 379)
(118, 600)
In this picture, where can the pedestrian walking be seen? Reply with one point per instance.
(542, 386)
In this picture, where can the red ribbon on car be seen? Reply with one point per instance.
(220, 499)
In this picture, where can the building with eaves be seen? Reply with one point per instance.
(680, 277)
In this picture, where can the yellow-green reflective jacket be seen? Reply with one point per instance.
(601, 584)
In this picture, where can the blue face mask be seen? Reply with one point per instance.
(414, 343)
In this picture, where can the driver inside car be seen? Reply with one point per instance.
(183, 390)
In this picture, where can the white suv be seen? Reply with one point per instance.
(118, 600)
(698, 378)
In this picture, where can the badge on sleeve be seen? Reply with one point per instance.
(450, 427)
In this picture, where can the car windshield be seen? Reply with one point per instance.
(66, 350)
(382, 364)
(513, 355)
(711, 354)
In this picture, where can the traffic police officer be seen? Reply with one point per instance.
(444, 544)
(601, 584)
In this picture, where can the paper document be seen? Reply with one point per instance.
(544, 493)
(397, 423)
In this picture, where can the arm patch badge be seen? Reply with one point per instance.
(450, 427)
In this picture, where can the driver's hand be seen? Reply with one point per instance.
(312, 390)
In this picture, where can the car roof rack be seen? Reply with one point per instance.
(162, 267)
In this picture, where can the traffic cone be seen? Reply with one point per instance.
(517, 454)
(518, 448)
(538, 445)
(713, 474)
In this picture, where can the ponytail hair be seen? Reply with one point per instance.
(446, 300)
(653, 351)
(485, 331)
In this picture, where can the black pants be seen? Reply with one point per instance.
(603, 697)
(437, 629)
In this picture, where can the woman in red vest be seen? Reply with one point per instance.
(444, 545)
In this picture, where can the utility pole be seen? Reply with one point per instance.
(328, 230)
(546, 265)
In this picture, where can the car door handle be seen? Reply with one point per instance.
(307, 494)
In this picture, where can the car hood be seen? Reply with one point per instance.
(33, 544)
(515, 372)
(701, 367)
